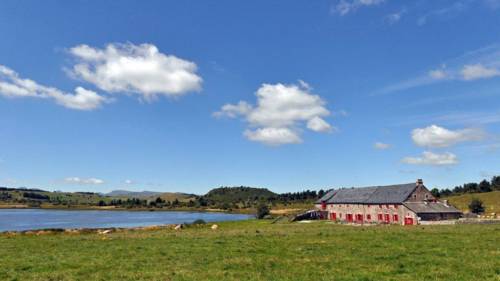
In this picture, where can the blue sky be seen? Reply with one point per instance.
(289, 95)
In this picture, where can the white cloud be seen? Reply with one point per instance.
(444, 13)
(381, 146)
(12, 86)
(279, 113)
(89, 181)
(438, 74)
(343, 7)
(273, 136)
(430, 158)
(317, 124)
(478, 71)
(435, 136)
(234, 110)
(140, 69)
(395, 17)
(482, 63)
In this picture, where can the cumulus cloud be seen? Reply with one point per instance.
(430, 158)
(343, 7)
(318, 125)
(13, 86)
(279, 112)
(86, 181)
(273, 136)
(435, 136)
(478, 71)
(234, 110)
(139, 69)
(381, 146)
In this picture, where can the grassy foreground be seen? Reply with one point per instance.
(258, 250)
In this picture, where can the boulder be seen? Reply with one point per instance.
(214, 227)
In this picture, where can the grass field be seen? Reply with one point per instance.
(259, 250)
(490, 199)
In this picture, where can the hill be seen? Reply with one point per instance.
(490, 199)
(132, 194)
(238, 194)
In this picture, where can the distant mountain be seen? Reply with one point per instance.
(137, 194)
(151, 195)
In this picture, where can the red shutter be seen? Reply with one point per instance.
(395, 218)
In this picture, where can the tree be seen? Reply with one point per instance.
(495, 182)
(476, 206)
(262, 211)
(484, 186)
(435, 192)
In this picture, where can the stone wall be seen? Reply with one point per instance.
(369, 213)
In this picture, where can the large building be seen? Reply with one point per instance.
(405, 204)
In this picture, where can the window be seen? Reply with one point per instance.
(387, 206)
(395, 206)
(380, 206)
(340, 215)
(368, 217)
(380, 217)
(414, 196)
(395, 218)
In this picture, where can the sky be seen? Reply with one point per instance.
(186, 96)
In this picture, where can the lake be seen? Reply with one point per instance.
(28, 219)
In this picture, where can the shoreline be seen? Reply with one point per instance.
(97, 208)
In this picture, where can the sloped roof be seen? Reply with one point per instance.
(327, 196)
(389, 194)
(431, 207)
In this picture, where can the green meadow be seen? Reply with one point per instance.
(258, 250)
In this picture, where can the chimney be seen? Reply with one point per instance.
(420, 182)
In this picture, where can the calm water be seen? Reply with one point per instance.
(26, 219)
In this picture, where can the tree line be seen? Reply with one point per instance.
(471, 187)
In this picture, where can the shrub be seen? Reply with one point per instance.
(199, 221)
(262, 211)
(476, 206)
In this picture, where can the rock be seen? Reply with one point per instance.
(214, 227)
(107, 231)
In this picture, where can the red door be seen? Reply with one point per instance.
(387, 218)
(349, 217)
(359, 218)
(408, 221)
(333, 216)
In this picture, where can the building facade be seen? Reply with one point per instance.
(405, 204)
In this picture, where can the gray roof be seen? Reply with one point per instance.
(389, 194)
(431, 207)
(327, 196)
